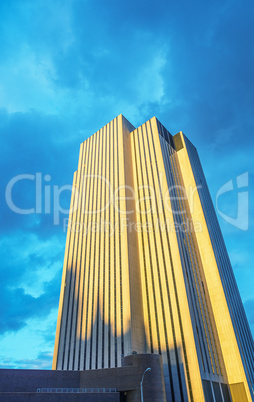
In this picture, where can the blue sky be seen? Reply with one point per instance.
(69, 67)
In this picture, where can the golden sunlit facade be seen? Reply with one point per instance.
(146, 269)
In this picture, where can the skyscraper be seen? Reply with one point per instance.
(146, 269)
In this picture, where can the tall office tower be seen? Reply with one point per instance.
(146, 269)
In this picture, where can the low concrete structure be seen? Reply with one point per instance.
(109, 385)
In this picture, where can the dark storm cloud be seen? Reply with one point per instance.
(34, 144)
(21, 307)
(211, 72)
(25, 269)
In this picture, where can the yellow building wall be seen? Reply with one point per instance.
(231, 355)
(126, 284)
(161, 271)
(100, 300)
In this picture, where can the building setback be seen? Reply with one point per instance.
(146, 269)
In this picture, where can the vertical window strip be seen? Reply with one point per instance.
(136, 155)
(182, 239)
(104, 255)
(153, 272)
(206, 317)
(164, 263)
(149, 248)
(70, 287)
(181, 242)
(89, 251)
(114, 213)
(181, 207)
(95, 250)
(62, 332)
(214, 359)
(177, 300)
(207, 206)
(213, 353)
(84, 243)
(196, 288)
(76, 300)
(109, 255)
(99, 249)
(159, 279)
(119, 240)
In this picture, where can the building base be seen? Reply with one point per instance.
(120, 384)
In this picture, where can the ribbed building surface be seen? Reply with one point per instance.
(146, 268)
